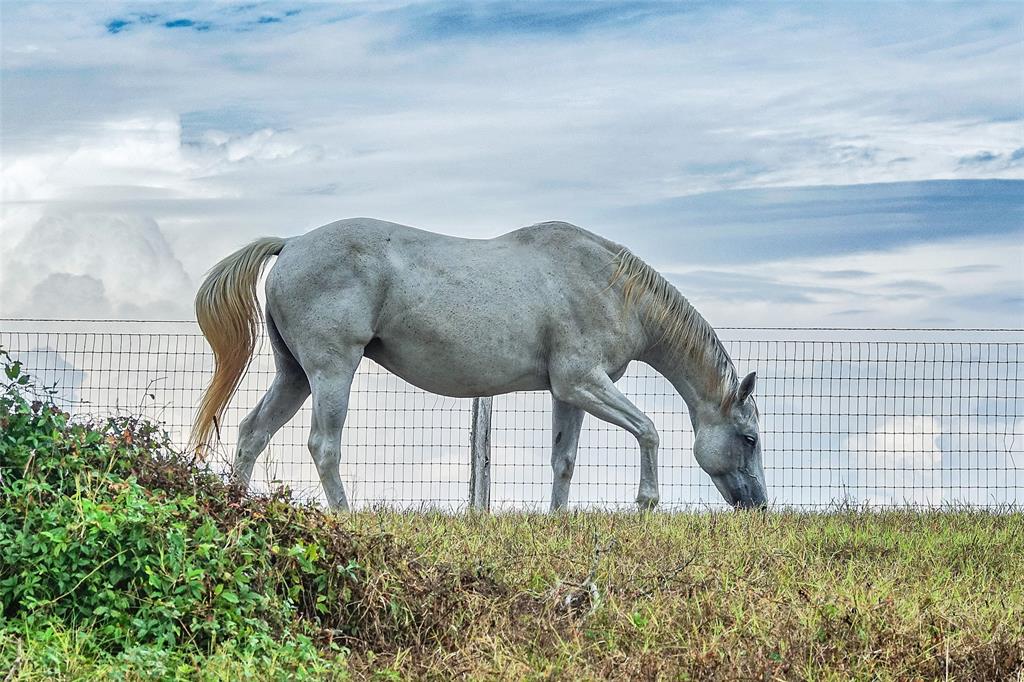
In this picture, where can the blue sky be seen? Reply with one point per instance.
(841, 163)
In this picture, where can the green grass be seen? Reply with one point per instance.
(59, 653)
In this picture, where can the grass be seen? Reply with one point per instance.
(886, 596)
(60, 653)
(895, 595)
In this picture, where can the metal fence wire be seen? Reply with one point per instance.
(867, 417)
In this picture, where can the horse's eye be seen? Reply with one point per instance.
(751, 440)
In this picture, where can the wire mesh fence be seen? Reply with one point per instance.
(866, 417)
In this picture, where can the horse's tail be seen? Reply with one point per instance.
(228, 313)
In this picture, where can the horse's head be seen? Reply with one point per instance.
(728, 447)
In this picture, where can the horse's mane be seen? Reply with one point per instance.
(684, 332)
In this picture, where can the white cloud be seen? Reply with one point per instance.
(900, 463)
(52, 370)
(87, 264)
(368, 110)
(262, 145)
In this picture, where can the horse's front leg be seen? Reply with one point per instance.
(596, 393)
(566, 421)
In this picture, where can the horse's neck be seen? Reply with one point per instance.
(686, 378)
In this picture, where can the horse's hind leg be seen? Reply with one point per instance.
(597, 394)
(284, 398)
(566, 421)
(331, 386)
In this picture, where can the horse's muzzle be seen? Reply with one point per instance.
(741, 490)
(751, 504)
(752, 496)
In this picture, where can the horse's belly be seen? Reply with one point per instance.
(454, 372)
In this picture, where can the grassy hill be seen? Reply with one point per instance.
(119, 558)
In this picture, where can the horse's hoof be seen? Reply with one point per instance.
(646, 503)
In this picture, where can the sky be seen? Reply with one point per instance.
(826, 164)
(842, 164)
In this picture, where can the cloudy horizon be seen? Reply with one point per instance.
(847, 165)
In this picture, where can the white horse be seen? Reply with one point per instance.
(550, 307)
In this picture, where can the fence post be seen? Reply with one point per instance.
(480, 453)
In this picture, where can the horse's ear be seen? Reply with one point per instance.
(746, 387)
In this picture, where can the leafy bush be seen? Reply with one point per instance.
(104, 526)
(112, 541)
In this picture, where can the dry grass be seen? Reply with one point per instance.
(888, 596)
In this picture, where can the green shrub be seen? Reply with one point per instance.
(103, 526)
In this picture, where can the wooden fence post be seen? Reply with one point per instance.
(480, 453)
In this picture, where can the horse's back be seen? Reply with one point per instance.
(383, 252)
(556, 235)
(369, 234)
(452, 315)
